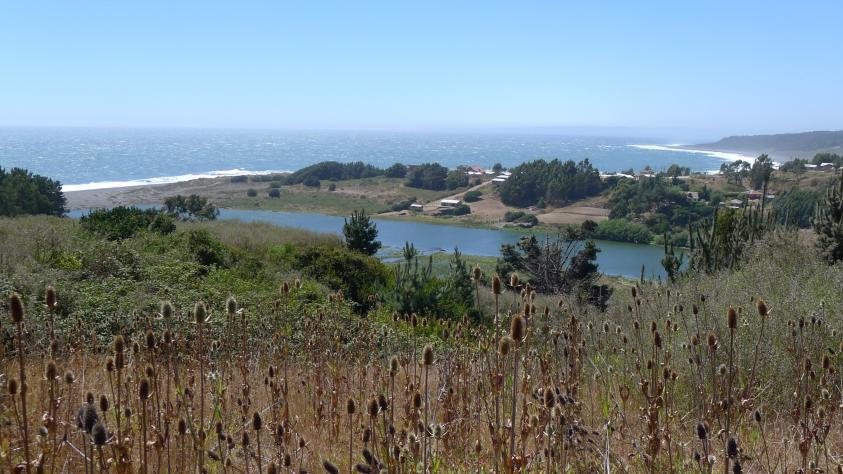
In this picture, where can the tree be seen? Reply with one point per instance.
(456, 179)
(427, 176)
(193, 207)
(360, 233)
(22, 192)
(735, 171)
(554, 182)
(761, 171)
(497, 168)
(564, 264)
(828, 223)
(396, 171)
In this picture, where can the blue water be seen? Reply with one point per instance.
(78, 156)
(615, 258)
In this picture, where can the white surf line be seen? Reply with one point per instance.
(164, 179)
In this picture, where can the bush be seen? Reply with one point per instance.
(402, 205)
(311, 182)
(456, 179)
(512, 216)
(124, 222)
(472, 196)
(555, 181)
(22, 192)
(334, 171)
(252, 192)
(239, 179)
(357, 275)
(396, 171)
(459, 210)
(274, 193)
(193, 207)
(332, 187)
(427, 176)
(275, 185)
(621, 230)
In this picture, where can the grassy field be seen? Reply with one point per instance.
(733, 372)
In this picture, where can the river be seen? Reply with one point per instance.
(615, 258)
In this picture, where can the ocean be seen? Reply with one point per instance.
(100, 158)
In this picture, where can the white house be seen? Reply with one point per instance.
(416, 207)
(498, 180)
(449, 202)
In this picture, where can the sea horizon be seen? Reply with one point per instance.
(98, 158)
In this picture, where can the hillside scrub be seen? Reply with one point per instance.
(233, 379)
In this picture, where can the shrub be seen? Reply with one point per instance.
(459, 210)
(361, 233)
(427, 176)
(357, 275)
(275, 185)
(311, 182)
(621, 230)
(274, 193)
(555, 181)
(22, 192)
(402, 205)
(512, 216)
(396, 171)
(124, 222)
(332, 187)
(456, 179)
(472, 196)
(252, 192)
(239, 179)
(193, 207)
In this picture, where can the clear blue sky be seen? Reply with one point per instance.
(730, 67)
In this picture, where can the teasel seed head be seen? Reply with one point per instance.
(200, 312)
(478, 274)
(427, 355)
(257, 422)
(394, 366)
(496, 284)
(702, 431)
(12, 386)
(373, 408)
(166, 310)
(182, 427)
(504, 345)
(732, 318)
(757, 416)
(351, 406)
(119, 344)
(516, 330)
(513, 280)
(143, 389)
(16, 308)
(417, 400)
(245, 440)
(50, 297)
(231, 305)
(273, 469)
(712, 340)
(51, 371)
(761, 306)
(549, 397)
(732, 448)
(330, 468)
(150, 340)
(69, 377)
(99, 433)
(87, 417)
(104, 403)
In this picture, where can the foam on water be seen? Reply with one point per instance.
(728, 156)
(163, 180)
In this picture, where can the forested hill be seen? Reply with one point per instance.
(788, 144)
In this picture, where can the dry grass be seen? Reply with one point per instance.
(677, 385)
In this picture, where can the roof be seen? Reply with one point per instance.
(450, 201)
(503, 176)
(498, 180)
(415, 204)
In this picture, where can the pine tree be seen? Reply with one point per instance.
(361, 233)
(828, 223)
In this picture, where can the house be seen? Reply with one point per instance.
(825, 167)
(489, 172)
(506, 173)
(449, 203)
(734, 204)
(693, 195)
(416, 207)
(502, 176)
(475, 169)
(498, 180)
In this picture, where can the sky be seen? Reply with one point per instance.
(708, 67)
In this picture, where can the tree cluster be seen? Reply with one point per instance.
(550, 182)
(22, 192)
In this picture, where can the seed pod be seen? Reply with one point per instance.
(13, 387)
(762, 307)
(549, 397)
(257, 422)
(231, 305)
(373, 408)
(99, 434)
(504, 346)
(427, 355)
(87, 417)
(119, 344)
(150, 340)
(516, 330)
(166, 310)
(16, 308)
(200, 312)
(51, 371)
(143, 389)
(69, 377)
(477, 273)
(50, 297)
(329, 468)
(513, 280)
(103, 403)
(702, 431)
(732, 448)
(496, 284)
(351, 406)
(732, 318)
(394, 366)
